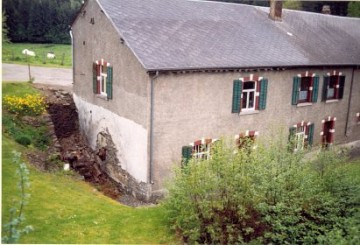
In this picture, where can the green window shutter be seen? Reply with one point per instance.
(95, 82)
(236, 101)
(263, 94)
(341, 86)
(295, 92)
(310, 134)
(325, 88)
(186, 154)
(315, 89)
(109, 82)
(292, 132)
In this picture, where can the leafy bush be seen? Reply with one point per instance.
(23, 140)
(267, 195)
(31, 105)
(17, 129)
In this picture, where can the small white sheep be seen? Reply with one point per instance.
(50, 55)
(28, 52)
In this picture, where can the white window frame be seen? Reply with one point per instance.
(248, 91)
(300, 137)
(202, 151)
(102, 80)
(305, 92)
(332, 91)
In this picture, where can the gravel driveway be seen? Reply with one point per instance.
(41, 75)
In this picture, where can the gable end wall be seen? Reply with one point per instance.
(125, 117)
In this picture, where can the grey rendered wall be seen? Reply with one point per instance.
(124, 118)
(195, 105)
(101, 40)
(353, 132)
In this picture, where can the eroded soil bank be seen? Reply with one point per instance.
(69, 146)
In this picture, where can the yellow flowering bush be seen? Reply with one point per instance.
(31, 105)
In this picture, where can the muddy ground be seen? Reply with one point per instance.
(69, 146)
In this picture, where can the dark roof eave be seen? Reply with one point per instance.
(276, 67)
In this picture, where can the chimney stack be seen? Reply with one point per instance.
(326, 9)
(275, 10)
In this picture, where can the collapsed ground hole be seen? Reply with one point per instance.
(71, 146)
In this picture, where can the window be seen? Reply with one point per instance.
(327, 134)
(249, 94)
(200, 149)
(333, 88)
(246, 140)
(305, 88)
(301, 136)
(102, 78)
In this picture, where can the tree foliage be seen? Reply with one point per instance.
(40, 21)
(266, 195)
(354, 9)
(5, 31)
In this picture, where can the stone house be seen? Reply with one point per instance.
(158, 79)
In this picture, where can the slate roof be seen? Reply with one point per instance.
(183, 34)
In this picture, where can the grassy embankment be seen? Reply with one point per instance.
(12, 53)
(63, 209)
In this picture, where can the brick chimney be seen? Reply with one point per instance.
(275, 10)
(326, 9)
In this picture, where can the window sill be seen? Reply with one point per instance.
(102, 96)
(331, 101)
(248, 112)
(304, 104)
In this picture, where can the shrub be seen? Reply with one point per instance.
(268, 195)
(23, 140)
(31, 105)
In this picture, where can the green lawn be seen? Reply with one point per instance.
(12, 53)
(65, 210)
(18, 89)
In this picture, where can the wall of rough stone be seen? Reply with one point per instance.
(125, 143)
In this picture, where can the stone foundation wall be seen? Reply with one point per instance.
(110, 164)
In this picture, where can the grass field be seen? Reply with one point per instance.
(18, 89)
(12, 53)
(65, 210)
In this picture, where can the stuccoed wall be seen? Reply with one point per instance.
(126, 136)
(126, 116)
(353, 132)
(191, 106)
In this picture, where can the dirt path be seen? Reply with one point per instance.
(42, 75)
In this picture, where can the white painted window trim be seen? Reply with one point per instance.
(332, 101)
(202, 151)
(300, 137)
(302, 104)
(102, 81)
(248, 91)
(249, 112)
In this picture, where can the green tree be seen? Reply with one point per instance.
(41, 21)
(354, 9)
(5, 31)
(291, 4)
